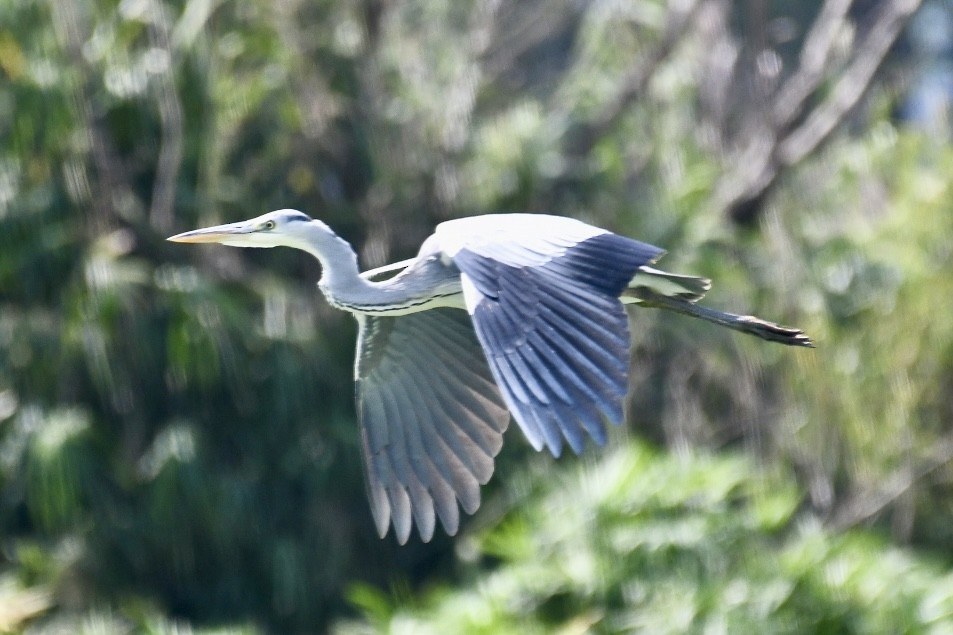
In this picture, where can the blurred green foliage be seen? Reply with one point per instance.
(177, 438)
(650, 543)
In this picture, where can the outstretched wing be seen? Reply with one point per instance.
(431, 419)
(543, 293)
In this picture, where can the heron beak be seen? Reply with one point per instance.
(217, 234)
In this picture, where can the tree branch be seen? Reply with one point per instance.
(852, 84)
(679, 17)
(770, 148)
(818, 44)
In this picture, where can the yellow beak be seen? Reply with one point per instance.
(217, 234)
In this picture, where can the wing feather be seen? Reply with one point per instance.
(449, 450)
(428, 489)
(431, 419)
(474, 388)
(467, 445)
(376, 466)
(547, 311)
(405, 466)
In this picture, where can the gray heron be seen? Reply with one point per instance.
(544, 336)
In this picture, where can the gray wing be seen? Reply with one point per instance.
(431, 418)
(554, 330)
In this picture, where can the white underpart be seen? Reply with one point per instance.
(516, 240)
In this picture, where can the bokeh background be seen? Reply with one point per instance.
(178, 447)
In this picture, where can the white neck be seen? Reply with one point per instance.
(338, 260)
(417, 288)
(341, 281)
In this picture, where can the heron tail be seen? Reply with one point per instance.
(744, 323)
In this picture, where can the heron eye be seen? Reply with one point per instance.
(268, 224)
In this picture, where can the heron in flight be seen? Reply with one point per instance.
(544, 337)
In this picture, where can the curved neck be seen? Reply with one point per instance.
(340, 277)
(414, 289)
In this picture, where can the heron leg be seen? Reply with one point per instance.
(744, 323)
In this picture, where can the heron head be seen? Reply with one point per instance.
(274, 229)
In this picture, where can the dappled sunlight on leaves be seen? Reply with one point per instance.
(689, 554)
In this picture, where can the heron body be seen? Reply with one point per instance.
(544, 337)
